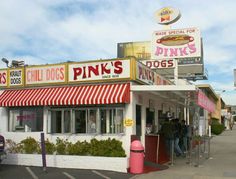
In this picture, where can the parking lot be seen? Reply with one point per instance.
(28, 172)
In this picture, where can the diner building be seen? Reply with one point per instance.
(116, 98)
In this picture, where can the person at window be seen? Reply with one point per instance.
(92, 124)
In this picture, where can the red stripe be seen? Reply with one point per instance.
(75, 95)
(57, 97)
(6, 96)
(47, 96)
(69, 100)
(17, 97)
(89, 93)
(100, 94)
(96, 94)
(69, 93)
(63, 96)
(81, 95)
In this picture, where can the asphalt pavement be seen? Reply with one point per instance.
(221, 164)
(30, 172)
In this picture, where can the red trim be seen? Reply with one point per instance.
(74, 95)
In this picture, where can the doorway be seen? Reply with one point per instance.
(138, 121)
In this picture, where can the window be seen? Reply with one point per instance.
(26, 120)
(92, 121)
(60, 121)
(86, 121)
(80, 121)
(111, 121)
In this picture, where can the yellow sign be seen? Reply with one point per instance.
(128, 122)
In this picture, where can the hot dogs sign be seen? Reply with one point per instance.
(79, 72)
(100, 70)
(176, 43)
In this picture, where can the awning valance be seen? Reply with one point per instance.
(72, 95)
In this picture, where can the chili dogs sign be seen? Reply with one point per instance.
(176, 43)
(100, 70)
(45, 74)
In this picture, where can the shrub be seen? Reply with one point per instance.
(216, 127)
(108, 148)
(49, 147)
(30, 146)
(61, 146)
(79, 148)
(13, 147)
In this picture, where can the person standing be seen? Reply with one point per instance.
(184, 136)
(177, 135)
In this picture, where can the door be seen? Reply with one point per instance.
(138, 121)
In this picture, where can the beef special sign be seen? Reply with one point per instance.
(176, 43)
(99, 70)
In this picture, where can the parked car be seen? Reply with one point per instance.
(2, 147)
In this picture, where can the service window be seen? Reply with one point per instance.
(111, 120)
(25, 120)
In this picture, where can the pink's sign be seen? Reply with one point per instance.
(204, 102)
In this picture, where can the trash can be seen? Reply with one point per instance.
(136, 157)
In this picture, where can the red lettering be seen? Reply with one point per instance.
(84, 74)
(118, 67)
(48, 74)
(163, 63)
(77, 72)
(3, 78)
(149, 64)
(170, 63)
(105, 70)
(94, 70)
(62, 74)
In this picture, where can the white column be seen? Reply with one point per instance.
(187, 115)
(176, 71)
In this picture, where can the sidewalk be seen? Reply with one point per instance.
(222, 164)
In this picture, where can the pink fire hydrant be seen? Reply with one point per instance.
(136, 157)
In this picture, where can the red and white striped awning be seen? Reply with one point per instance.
(73, 95)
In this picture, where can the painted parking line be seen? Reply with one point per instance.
(31, 173)
(100, 174)
(68, 175)
(133, 177)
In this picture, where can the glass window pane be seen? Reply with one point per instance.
(26, 120)
(119, 121)
(56, 121)
(103, 118)
(92, 121)
(80, 121)
(67, 122)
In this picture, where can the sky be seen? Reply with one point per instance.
(46, 32)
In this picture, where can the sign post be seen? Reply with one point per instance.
(43, 152)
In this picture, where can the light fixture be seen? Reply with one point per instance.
(5, 61)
